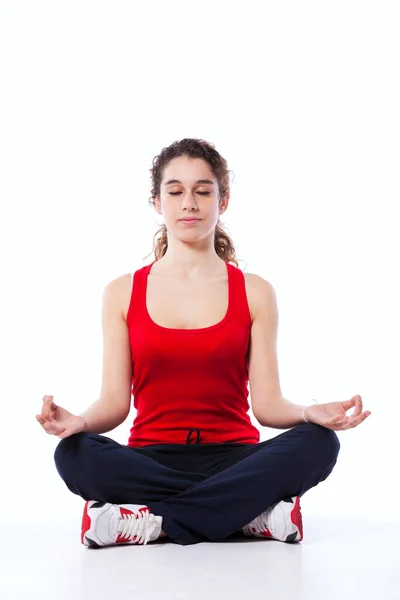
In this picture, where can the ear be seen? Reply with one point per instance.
(223, 204)
(157, 205)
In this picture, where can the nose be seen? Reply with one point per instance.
(188, 201)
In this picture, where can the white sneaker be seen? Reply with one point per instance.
(282, 522)
(105, 524)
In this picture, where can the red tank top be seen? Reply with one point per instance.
(191, 380)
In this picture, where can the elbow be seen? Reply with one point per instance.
(264, 421)
(269, 414)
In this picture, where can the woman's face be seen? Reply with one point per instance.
(189, 189)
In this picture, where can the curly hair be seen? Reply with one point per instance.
(193, 148)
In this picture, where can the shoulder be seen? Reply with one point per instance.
(119, 289)
(118, 284)
(260, 292)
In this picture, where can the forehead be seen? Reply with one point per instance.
(185, 170)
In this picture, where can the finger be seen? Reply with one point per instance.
(47, 398)
(340, 418)
(351, 422)
(47, 428)
(45, 409)
(349, 403)
(43, 419)
(48, 408)
(358, 408)
(53, 427)
(354, 422)
(358, 420)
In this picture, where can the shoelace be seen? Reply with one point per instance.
(136, 525)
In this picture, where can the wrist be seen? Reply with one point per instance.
(305, 417)
(85, 424)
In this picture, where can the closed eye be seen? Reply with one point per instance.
(202, 193)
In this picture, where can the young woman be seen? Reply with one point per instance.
(185, 336)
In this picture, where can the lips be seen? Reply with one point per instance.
(189, 220)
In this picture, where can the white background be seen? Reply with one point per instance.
(302, 99)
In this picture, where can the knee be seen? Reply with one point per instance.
(325, 441)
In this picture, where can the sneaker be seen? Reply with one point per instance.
(281, 522)
(105, 524)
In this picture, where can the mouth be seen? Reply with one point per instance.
(189, 220)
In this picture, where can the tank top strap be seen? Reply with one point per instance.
(241, 308)
(138, 302)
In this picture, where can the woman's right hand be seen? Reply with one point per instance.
(58, 421)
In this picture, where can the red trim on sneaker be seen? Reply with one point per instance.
(265, 532)
(296, 517)
(86, 521)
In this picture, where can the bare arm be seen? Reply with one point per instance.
(113, 405)
(282, 414)
(269, 406)
(101, 417)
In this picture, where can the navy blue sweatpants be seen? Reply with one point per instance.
(204, 492)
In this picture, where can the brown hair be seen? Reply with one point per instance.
(193, 148)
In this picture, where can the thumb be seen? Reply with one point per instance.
(49, 409)
(49, 403)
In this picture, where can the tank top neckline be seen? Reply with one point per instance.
(221, 323)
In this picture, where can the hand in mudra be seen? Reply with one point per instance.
(55, 420)
(332, 415)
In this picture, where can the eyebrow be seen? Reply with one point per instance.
(198, 181)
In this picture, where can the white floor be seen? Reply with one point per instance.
(337, 560)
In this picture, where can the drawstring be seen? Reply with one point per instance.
(189, 435)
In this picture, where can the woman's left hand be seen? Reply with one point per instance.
(332, 415)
